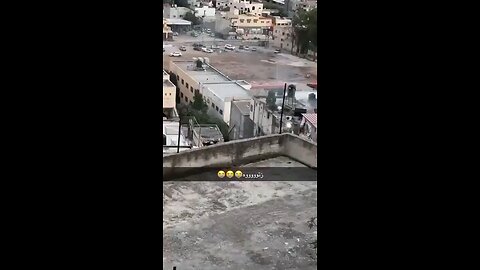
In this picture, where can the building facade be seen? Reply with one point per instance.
(252, 26)
(282, 34)
(217, 90)
(167, 31)
(205, 12)
(243, 6)
(241, 124)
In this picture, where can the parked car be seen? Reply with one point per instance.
(215, 47)
(208, 31)
(240, 47)
(176, 54)
(246, 48)
(254, 49)
(277, 51)
(183, 48)
(197, 48)
(208, 51)
(229, 47)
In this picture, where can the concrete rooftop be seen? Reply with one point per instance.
(218, 83)
(277, 157)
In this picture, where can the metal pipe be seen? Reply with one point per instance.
(283, 104)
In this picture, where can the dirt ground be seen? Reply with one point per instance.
(239, 225)
(259, 66)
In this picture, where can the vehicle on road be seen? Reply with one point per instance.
(208, 31)
(176, 54)
(183, 48)
(246, 48)
(241, 47)
(215, 47)
(254, 49)
(209, 51)
(229, 47)
(277, 51)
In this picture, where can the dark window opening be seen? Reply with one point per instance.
(164, 139)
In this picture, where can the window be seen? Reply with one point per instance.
(234, 6)
(186, 99)
(186, 84)
(178, 77)
(262, 21)
(182, 81)
(164, 139)
(191, 89)
(255, 21)
(216, 108)
(213, 105)
(169, 94)
(221, 112)
(181, 94)
(253, 8)
(249, 20)
(283, 33)
(242, 20)
(268, 115)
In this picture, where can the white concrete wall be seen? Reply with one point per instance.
(205, 11)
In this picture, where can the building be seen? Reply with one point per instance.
(277, 157)
(205, 12)
(169, 98)
(175, 12)
(217, 90)
(167, 31)
(308, 127)
(241, 124)
(266, 118)
(171, 141)
(179, 25)
(302, 4)
(252, 26)
(243, 6)
(282, 35)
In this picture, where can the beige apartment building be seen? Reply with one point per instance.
(243, 6)
(167, 31)
(217, 90)
(282, 33)
(252, 26)
(169, 96)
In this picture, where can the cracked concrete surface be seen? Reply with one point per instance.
(239, 225)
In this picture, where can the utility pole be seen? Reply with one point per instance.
(283, 104)
(179, 129)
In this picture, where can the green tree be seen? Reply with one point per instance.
(181, 3)
(199, 104)
(189, 16)
(271, 100)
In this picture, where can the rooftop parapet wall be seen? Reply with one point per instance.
(239, 152)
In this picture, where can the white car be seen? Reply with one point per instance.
(209, 51)
(229, 47)
(176, 54)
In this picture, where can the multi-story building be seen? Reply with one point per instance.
(175, 12)
(250, 26)
(205, 12)
(243, 6)
(282, 33)
(167, 31)
(169, 94)
(217, 90)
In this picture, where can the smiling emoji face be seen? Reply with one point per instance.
(230, 174)
(238, 174)
(221, 174)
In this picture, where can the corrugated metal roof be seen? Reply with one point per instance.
(311, 117)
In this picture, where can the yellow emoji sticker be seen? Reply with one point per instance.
(221, 174)
(230, 174)
(238, 174)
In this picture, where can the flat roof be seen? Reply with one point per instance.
(167, 83)
(178, 22)
(209, 131)
(243, 106)
(219, 84)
